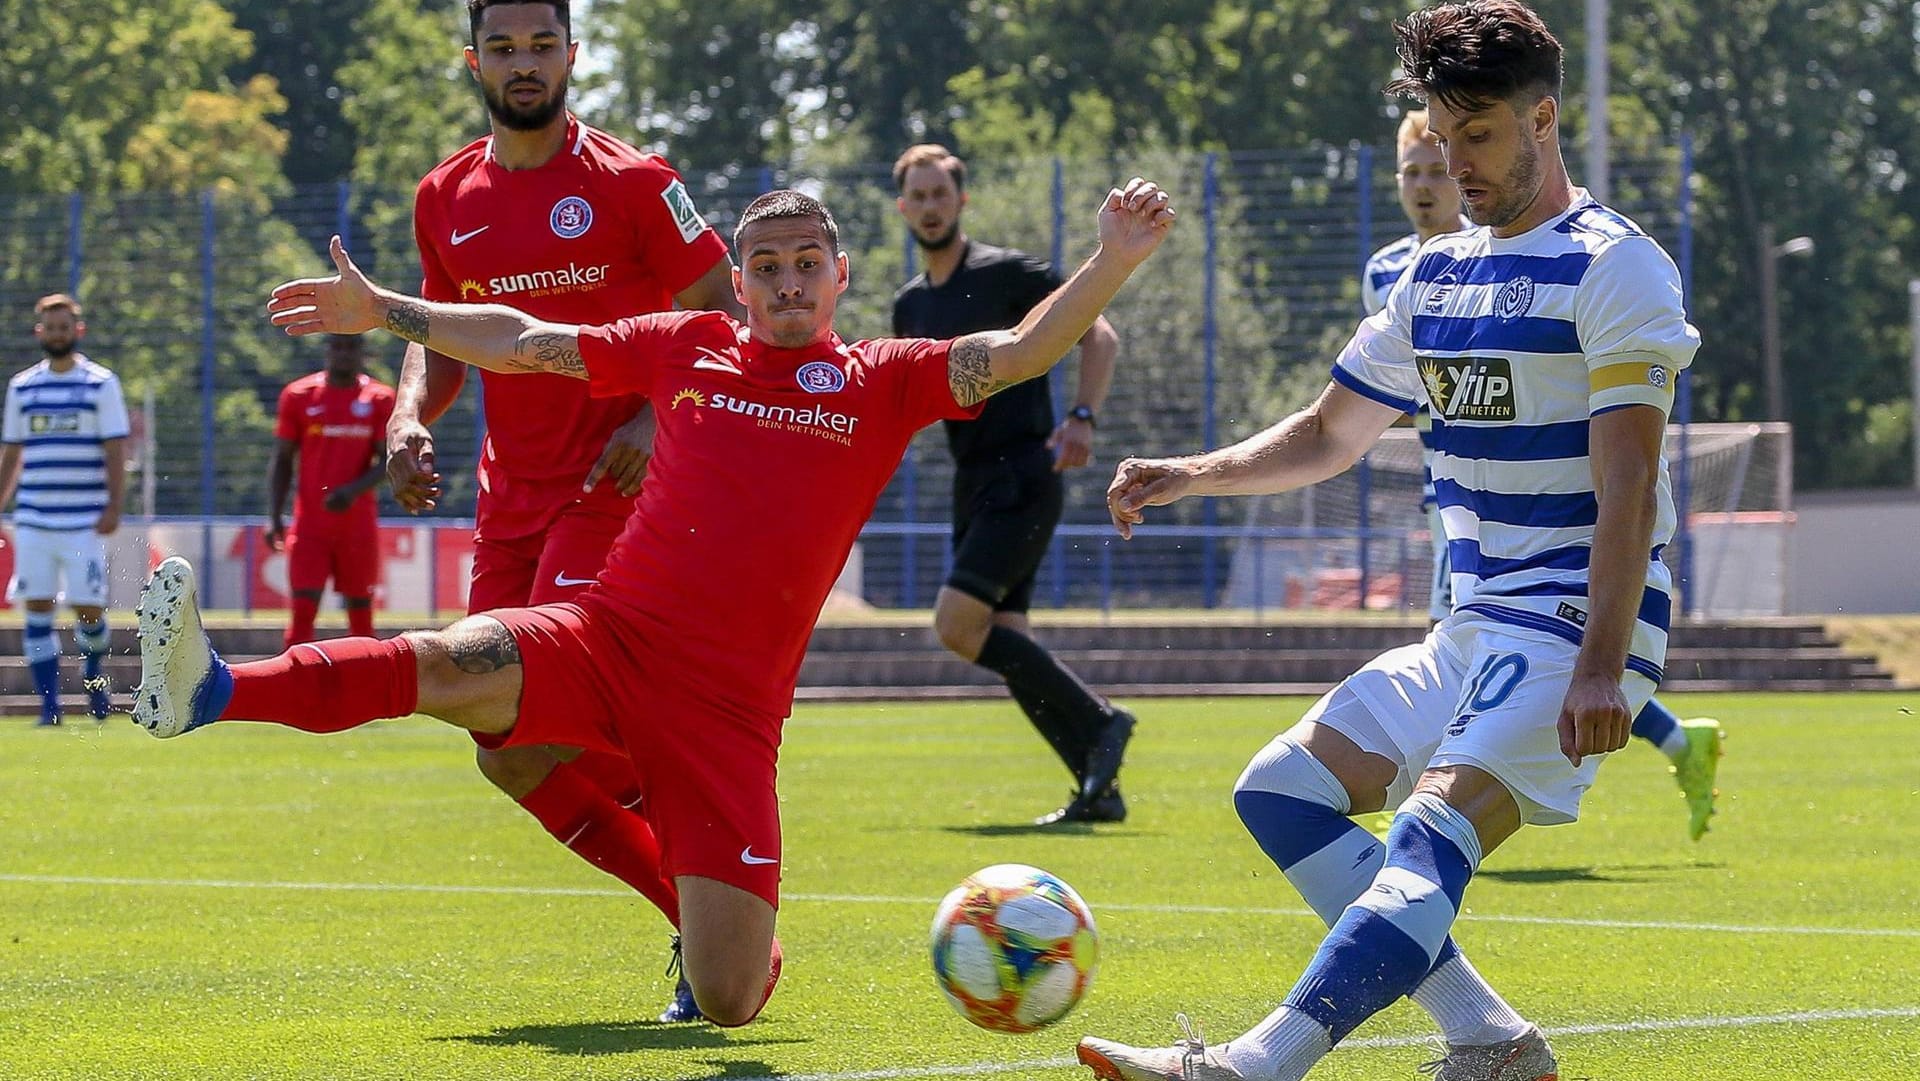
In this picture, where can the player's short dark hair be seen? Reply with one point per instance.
(787, 203)
(929, 154)
(1469, 55)
(56, 302)
(478, 8)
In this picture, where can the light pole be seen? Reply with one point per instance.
(1771, 370)
(1598, 178)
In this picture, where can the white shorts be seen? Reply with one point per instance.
(1479, 693)
(50, 562)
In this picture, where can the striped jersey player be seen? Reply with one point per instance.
(1546, 342)
(65, 432)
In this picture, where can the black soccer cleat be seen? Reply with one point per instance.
(1103, 761)
(1106, 807)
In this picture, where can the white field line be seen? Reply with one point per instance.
(1676, 1024)
(867, 899)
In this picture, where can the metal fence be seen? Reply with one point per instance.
(1233, 324)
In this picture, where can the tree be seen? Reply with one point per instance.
(301, 44)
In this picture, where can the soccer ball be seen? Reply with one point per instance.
(1014, 948)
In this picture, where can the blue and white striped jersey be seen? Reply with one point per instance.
(1515, 343)
(1384, 268)
(60, 420)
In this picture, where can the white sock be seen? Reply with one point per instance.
(1468, 1010)
(1281, 1048)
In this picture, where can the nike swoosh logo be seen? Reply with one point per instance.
(747, 857)
(714, 362)
(460, 238)
(563, 581)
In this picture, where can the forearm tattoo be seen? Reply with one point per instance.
(550, 353)
(409, 321)
(970, 371)
(480, 646)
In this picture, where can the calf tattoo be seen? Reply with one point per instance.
(481, 646)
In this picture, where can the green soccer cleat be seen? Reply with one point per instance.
(1697, 769)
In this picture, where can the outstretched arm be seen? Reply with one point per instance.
(1313, 444)
(1133, 222)
(490, 336)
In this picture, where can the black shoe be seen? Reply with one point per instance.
(1106, 807)
(1103, 761)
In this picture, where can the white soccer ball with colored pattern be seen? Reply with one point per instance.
(1014, 948)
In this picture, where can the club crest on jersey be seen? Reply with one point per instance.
(571, 217)
(1470, 388)
(1515, 298)
(362, 408)
(819, 377)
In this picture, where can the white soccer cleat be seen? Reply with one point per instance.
(1189, 1060)
(183, 682)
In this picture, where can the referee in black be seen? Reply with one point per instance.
(1007, 491)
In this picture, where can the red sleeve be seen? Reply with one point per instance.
(676, 243)
(623, 356)
(920, 369)
(382, 413)
(291, 422)
(434, 282)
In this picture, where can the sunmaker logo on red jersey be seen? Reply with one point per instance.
(572, 278)
(814, 420)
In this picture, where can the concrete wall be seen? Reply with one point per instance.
(1855, 551)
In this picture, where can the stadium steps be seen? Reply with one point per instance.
(848, 662)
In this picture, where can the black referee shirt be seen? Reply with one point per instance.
(992, 289)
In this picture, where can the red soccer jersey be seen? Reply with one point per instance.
(599, 232)
(767, 464)
(338, 429)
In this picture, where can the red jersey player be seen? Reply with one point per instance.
(570, 224)
(775, 440)
(333, 422)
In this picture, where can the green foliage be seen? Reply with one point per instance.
(130, 95)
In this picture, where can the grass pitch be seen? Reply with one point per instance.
(250, 902)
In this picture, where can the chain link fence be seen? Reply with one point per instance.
(1233, 324)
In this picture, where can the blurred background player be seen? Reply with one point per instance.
(1007, 490)
(334, 423)
(570, 224)
(1431, 202)
(65, 457)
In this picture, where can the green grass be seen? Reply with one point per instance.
(150, 926)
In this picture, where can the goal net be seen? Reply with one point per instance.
(1361, 539)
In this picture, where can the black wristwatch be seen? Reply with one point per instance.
(1083, 412)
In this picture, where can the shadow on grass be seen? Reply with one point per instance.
(624, 1037)
(1028, 829)
(1622, 873)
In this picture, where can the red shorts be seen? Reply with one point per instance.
(346, 550)
(539, 568)
(706, 769)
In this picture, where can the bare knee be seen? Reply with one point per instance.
(961, 623)
(726, 944)
(515, 770)
(1363, 775)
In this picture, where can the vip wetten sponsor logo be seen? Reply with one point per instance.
(1470, 388)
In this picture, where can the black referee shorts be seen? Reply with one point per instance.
(1003, 519)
